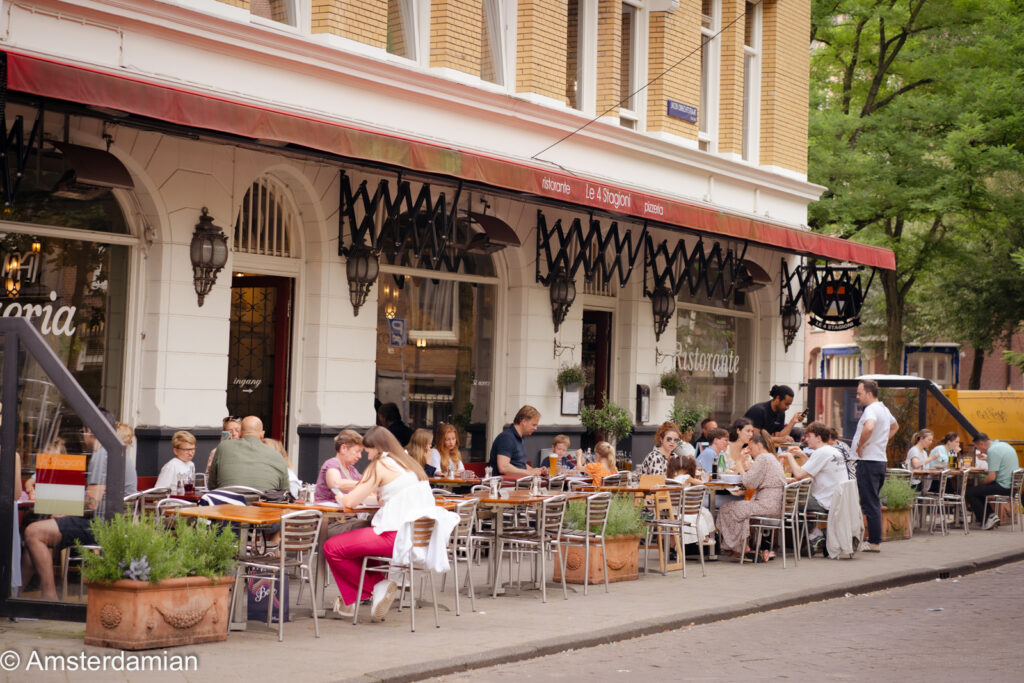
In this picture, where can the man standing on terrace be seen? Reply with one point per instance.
(875, 428)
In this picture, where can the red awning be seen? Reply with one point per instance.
(174, 104)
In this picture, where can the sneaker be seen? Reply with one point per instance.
(384, 593)
(343, 610)
(870, 547)
(992, 522)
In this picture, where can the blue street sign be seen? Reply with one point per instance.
(399, 332)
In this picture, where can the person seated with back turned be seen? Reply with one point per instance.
(390, 417)
(338, 475)
(419, 447)
(508, 453)
(771, 415)
(1002, 461)
(62, 531)
(247, 461)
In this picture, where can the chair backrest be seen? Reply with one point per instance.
(487, 482)
(466, 510)
(1016, 484)
(944, 476)
(300, 530)
(477, 488)
(422, 530)
(162, 506)
(252, 496)
(575, 485)
(613, 479)
(552, 514)
(692, 500)
(557, 483)
(146, 503)
(791, 498)
(441, 492)
(598, 505)
(524, 483)
(805, 494)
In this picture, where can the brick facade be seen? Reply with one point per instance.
(456, 30)
(365, 21)
(540, 48)
(785, 83)
(673, 36)
(730, 102)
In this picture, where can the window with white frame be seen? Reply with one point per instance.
(752, 82)
(497, 41)
(936, 365)
(710, 66)
(405, 36)
(841, 363)
(573, 55)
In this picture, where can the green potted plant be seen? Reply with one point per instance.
(897, 496)
(610, 423)
(622, 543)
(672, 383)
(571, 378)
(150, 586)
(687, 414)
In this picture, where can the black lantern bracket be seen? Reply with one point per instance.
(208, 253)
(831, 295)
(559, 349)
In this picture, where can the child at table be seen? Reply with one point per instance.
(419, 449)
(683, 469)
(604, 464)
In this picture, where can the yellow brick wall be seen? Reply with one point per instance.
(609, 56)
(455, 34)
(785, 66)
(244, 4)
(540, 47)
(365, 21)
(674, 35)
(730, 102)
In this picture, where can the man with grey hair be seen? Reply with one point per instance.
(247, 461)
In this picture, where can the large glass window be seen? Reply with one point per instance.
(444, 374)
(716, 358)
(710, 23)
(752, 82)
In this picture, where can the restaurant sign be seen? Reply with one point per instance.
(719, 364)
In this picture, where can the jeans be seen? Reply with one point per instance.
(870, 475)
(975, 497)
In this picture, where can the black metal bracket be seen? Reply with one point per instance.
(12, 142)
(418, 232)
(607, 254)
(716, 270)
(831, 295)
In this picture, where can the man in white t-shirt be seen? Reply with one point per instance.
(875, 428)
(826, 465)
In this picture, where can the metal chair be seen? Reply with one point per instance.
(168, 504)
(440, 492)
(928, 502)
(143, 502)
(596, 515)
(538, 541)
(809, 518)
(686, 504)
(556, 484)
(460, 549)
(954, 502)
(252, 496)
(1013, 500)
(788, 520)
(897, 473)
(71, 556)
(665, 528)
(300, 531)
(693, 501)
(936, 503)
(525, 483)
(613, 479)
(423, 528)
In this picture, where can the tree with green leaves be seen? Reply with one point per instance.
(915, 131)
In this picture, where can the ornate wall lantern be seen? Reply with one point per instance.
(12, 275)
(663, 305)
(361, 269)
(562, 289)
(208, 252)
(791, 319)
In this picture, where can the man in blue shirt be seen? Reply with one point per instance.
(1002, 460)
(719, 441)
(508, 454)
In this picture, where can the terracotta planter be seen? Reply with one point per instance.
(137, 615)
(623, 561)
(895, 524)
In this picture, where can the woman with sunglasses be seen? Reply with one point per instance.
(666, 439)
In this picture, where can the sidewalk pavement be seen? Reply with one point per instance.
(514, 627)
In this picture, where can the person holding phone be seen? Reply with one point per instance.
(771, 415)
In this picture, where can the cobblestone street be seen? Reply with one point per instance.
(960, 629)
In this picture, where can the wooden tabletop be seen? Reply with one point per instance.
(516, 497)
(322, 507)
(448, 481)
(243, 514)
(954, 470)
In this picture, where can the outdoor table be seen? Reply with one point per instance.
(452, 482)
(509, 499)
(245, 515)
